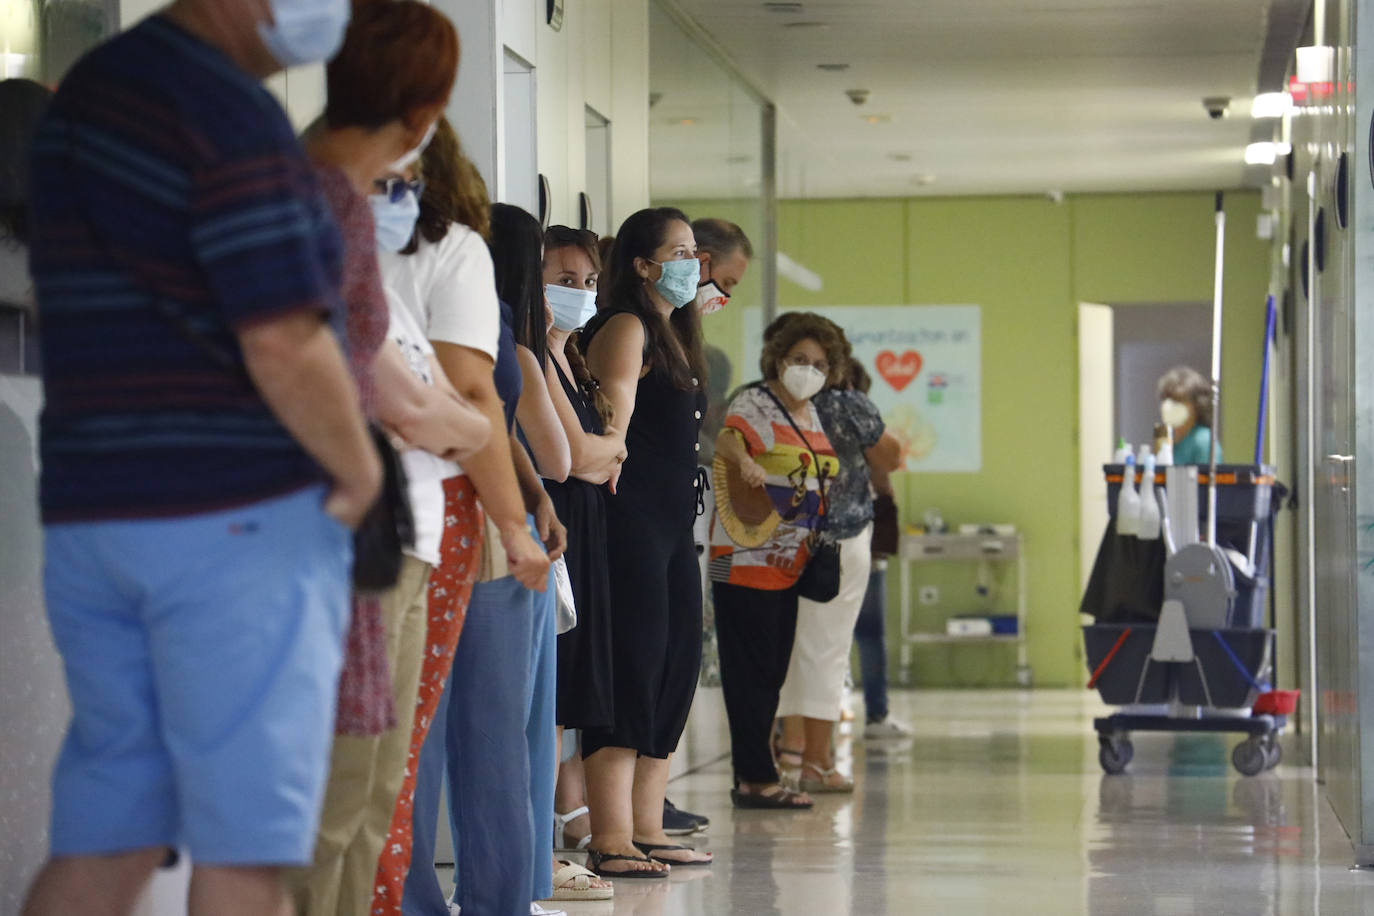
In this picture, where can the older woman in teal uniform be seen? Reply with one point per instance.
(1186, 408)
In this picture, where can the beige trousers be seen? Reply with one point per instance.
(365, 774)
(820, 652)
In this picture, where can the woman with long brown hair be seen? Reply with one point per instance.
(645, 347)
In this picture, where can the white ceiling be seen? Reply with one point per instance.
(986, 96)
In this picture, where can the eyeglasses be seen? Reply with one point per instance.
(395, 188)
(799, 360)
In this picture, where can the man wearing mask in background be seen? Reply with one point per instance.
(203, 458)
(724, 252)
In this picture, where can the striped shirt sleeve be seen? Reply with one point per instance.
(264, 238)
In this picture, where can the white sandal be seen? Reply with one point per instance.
(823, 785)
(560, 832)
(582, 888)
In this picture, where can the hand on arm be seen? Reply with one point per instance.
(594, 457)
(491, 469)
(435, 419)
(297, 366)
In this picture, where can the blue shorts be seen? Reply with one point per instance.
(202, 657)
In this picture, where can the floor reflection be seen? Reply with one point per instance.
(997, 805)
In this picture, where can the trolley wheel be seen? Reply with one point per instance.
(1115, 754)
(1250, 757)
(1273, 753)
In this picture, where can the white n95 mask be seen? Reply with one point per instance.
(802, 382)
(1173, 413)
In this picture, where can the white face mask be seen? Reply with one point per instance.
(802, 382)
(572, 308)
(1173, 413)
(400, 165)
(711, 298)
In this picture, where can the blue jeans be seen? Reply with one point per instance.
(479, 732)
(869, 636)
(494, 734)
(541, 734)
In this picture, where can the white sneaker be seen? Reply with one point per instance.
(537, 910)
(454, 909)
(887, 727)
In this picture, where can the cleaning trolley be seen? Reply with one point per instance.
(1180, 640)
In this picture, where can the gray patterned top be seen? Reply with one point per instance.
(853, 425)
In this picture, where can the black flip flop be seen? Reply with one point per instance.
(649, 849)
(781, 800)
(596, 859)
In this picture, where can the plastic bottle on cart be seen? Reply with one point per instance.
(1123, 448)
(1164, 446)
(1128, 502)
(1149, 527)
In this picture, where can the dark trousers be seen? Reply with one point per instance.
(755, 630)
(870, 637)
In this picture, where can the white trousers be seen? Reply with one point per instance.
(820, 652)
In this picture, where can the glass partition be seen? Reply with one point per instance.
(710, 152)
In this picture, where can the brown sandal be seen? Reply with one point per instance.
(779, 798)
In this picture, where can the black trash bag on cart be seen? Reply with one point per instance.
(1127, 581)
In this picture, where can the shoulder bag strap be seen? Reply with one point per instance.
(820, 468)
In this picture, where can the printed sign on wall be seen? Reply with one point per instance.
(926, 364)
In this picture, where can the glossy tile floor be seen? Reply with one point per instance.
(997, 805)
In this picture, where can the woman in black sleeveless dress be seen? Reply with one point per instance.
(571, 268)
(645, 347)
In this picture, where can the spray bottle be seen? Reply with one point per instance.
(1128, 502)
(1149, 528)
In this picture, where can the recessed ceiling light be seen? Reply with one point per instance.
(806, 24)
(739, 159)
(683, 122)
(832, 68)
(876, 119)
(922, 180)
(779, 7)
(899, 157)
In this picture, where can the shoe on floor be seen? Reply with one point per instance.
(887, 727)
(679, 823)
(537, 910)
(454, 909)
(701, 819)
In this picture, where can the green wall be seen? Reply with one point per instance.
(1028, 262)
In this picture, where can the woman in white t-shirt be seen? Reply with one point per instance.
(445, 282)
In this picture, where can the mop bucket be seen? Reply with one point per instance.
(1229, 668)
(1119, 660)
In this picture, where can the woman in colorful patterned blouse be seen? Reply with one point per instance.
(773, 439)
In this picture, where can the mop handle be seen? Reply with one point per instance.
(1216, 375)
(1270, 313)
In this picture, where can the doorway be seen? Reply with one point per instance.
(599, 172)
(1122, 352)
(521, 181)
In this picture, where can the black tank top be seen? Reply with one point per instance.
(660, 475)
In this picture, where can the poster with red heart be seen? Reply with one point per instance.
(926, 365)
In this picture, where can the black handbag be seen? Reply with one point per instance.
(820, 580)
(387, 529)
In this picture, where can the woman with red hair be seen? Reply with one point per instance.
(387, 87)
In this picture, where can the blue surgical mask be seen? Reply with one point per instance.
(678, 281)
(395, 220)
(304, 31)
(572, 308)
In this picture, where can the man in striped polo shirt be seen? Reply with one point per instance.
(203, 457)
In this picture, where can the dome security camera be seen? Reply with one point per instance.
(1217, 106)
(857, 96)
